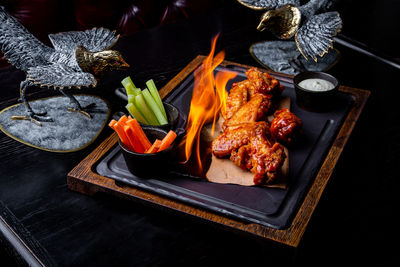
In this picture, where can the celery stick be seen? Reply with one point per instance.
(136, 113)
(129, 85)
(132, 91)
(140, 103)
(154, 93)
(131, 99)
(136, 91)
(128, 80)
(154, 107)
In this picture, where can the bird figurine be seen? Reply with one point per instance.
(312, 27)
(77, 59)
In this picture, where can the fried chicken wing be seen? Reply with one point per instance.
(232, 139)
(254, 110)
(263, 83)
(236, 98)
(242, 157)
(266, 162)
(249, 148)
(257, 83)
(285, 126)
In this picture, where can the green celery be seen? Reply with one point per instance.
(128, 80)
(130, 86)
(136, 91)
(154, 107)
(140, 103)
(136, 113)
(131, 99)
(156, 96)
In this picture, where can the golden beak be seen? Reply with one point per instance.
(261, 26)
(124, 65)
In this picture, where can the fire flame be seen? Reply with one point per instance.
(208, 98)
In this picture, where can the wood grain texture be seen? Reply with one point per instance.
(83, 179)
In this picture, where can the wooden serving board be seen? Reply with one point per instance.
(84, 179)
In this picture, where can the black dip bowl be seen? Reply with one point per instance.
(146, 165)
(315, 100)
(172, 116)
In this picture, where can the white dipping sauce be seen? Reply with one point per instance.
(316, 85)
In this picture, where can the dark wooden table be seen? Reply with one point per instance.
(42, 221)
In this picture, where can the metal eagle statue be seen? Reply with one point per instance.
(311, 25)
(77, 59)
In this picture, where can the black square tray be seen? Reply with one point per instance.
(272, 207)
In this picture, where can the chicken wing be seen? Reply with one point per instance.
(263, 83)
(242, 157)
(285, 126)
(258, 107)
(233, 138)
(237, 97)
(266, 160)
(257, 83)
(249, 148)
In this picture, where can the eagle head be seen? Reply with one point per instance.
(283, 22)
(100, 62)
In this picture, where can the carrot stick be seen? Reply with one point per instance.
(133, 139)
(139, 133)
(167, 140)
(133, 136)
(122, 135)
(123, 120)
(154, 148)
(112, 123)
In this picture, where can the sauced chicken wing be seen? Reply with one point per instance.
(266, 157)
(242, 157)
(263, 83)
(257, 83)
(252, 111)
(236, 98)
(233, 138)
(249, 147)
(285, 126)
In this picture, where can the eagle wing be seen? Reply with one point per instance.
(94, 40)
(60, 76)
(20, 48)
(315, 37)
(267, 4)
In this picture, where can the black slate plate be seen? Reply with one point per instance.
(272, 207)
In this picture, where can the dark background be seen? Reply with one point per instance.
(355, 221)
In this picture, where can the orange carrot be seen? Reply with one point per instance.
(112, 123)
(139, 133)
(122, 135)
(135, 135)
(154, 148)
(133, 139)
(123, 120)
(167, 140)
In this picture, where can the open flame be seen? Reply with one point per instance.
(208, 98)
